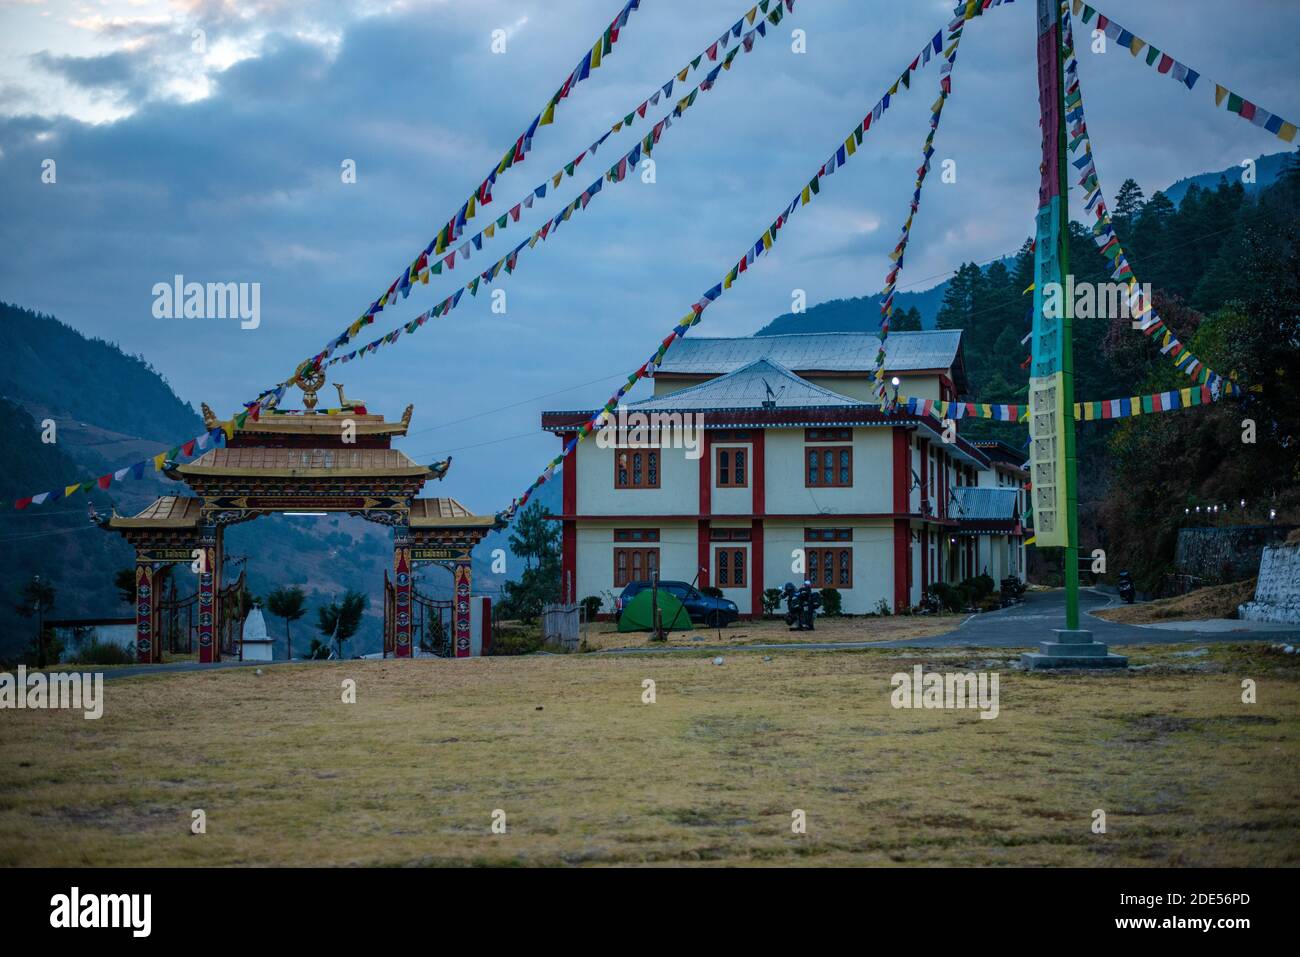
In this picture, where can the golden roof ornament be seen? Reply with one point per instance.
(309, 379)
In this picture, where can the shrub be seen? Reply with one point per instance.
(949, 598)
(96, 652)
(516, 641)
(882, 608)
(832, 602)
(771, 600)
(591, 607)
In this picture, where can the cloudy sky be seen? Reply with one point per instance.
(223, 165)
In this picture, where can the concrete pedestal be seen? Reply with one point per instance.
(1072, 649)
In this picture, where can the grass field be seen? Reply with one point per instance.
(601, 635)
(710, 773)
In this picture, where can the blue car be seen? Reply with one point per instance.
(703, 609)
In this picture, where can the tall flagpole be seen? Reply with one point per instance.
(1053, 456)
(1062, 241)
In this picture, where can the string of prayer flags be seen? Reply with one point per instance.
(441, 253)
(1107, 240)
(927, 152)
(765, 242)
(1127, 407)
(213, 438)
(616, 173)
(1164, 63)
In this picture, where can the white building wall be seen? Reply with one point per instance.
(872, 546)
(873, 483)
(678, 549)
(732, 501)
(678, 492)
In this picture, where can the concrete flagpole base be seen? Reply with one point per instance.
(1072, 649)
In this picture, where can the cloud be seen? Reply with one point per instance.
(225, 166)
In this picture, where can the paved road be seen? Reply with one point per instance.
(1022, 626)
(1041, 612)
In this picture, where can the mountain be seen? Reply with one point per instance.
(862, 313)
(110, 410)
(1267, 168)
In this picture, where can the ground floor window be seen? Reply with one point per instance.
(729, 565)
(830, 567)
(634, 565)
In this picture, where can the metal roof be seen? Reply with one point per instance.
(974, 504)
(748, 387)
(815, 352)
(167, 511)
(439, 512)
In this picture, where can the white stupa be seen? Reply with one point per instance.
(257, 643)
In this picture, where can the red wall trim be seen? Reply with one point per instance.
(902, 564)
(902, 541)
(706, 476)
(756, 564)
(569, 533)
(740, 516)
(758, 472)
(702, 554)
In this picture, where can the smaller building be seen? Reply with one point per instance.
(256, 644)
(74, 634)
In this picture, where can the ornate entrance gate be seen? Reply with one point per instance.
(331, 460)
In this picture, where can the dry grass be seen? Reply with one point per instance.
(587, 774)
(1216, 601)
(601, 635)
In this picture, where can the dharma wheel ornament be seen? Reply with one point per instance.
(309, 379)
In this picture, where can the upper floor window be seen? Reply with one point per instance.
(827, 435)
(636, 534)
(828, 534)
(636, 468)
(732, 467)
(829, 467)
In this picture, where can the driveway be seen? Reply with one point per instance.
(1034, 619)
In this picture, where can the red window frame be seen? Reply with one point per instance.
(636, 467)
(634, 565)
(730, 567)
(731, 466)
(833, 462)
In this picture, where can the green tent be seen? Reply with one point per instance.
(638, 615)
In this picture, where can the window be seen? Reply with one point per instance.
(830, 567)
(730, 566)
(828, 534)
(636, 468)
(636, 534)
(828, 435)
(634, 565)
(729, 534)
(731, 467)
(830, 467)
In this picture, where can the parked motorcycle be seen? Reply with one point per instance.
(801, 606)
(1126, 589)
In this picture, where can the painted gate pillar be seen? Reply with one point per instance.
(207, 565)
(147, 638)
(402, 594)
(463, 585)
